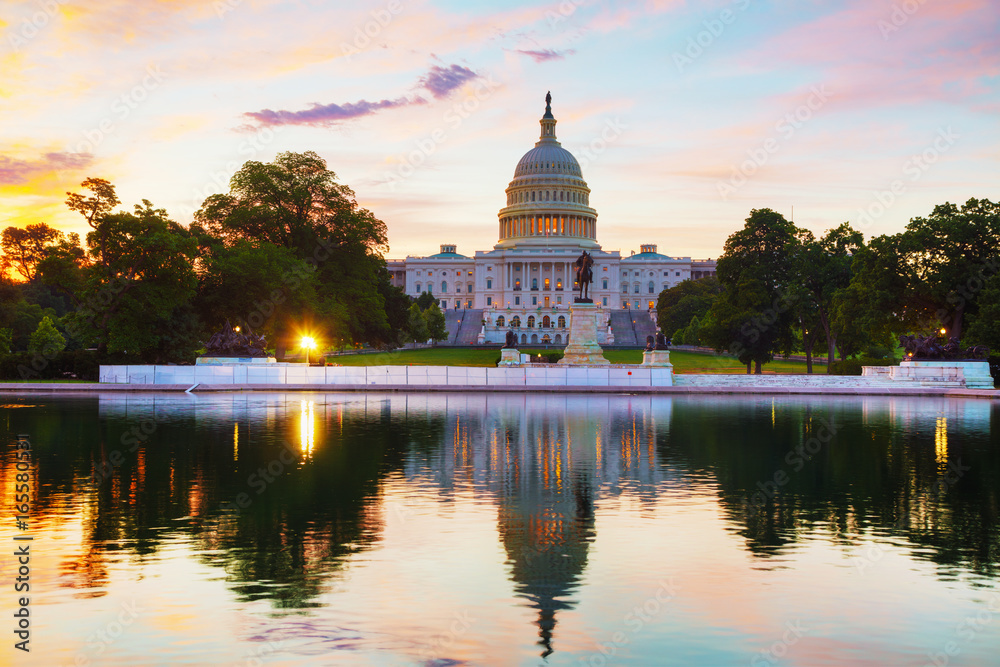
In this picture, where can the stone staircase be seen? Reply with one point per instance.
(631, 327)
(463, 326)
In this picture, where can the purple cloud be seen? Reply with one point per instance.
(546, 54)
(440, 81)
(14, 171)
(326, 114)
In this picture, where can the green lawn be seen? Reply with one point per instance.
(683, 361)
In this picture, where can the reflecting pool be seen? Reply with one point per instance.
(478, 529)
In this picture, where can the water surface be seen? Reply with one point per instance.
(448, 529)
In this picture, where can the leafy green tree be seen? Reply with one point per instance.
(137, 294)
(691, 332)
(46, 340)
(436, 329)
(953, 251)
(6, 339)
(295, 202)
(677, 305)
(416, 326)
(753, 317)
(426, 300)
(255, 284)
(823, 269)
(985, 328)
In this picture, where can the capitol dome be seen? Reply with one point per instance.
(548, 202)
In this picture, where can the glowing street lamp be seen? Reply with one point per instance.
(308, 343)
(943, 331)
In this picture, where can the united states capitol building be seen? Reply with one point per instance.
(527, 281)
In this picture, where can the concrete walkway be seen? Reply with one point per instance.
(95, 387)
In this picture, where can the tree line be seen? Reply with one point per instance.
(780, 289)
(287, 251)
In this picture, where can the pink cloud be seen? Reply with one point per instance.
(14, 171)
(441, 81)
(543, 55)
(328, 114)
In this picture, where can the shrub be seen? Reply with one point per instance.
(853, 366)
(78, 364)
(994, 361)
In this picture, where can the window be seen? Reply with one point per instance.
(652, 288)
(558, 299)
(651, 305)
(534, 283)
(444, 305)
(430, 288)
(444, 286)
(458, 288)
(418, 272)
(546, 322)
(470, 273)
(546, 283)
(637, 274)
(635, 288)
(515, 321)
(604, 301)
(624, 288)
(561, 322)
(489, 283)
(532, 196)
(418, 288)
(458, 304)
(666, 273)
(517, 301)
(534, 301)
(531, 321)
(624, 274)
(468, 288)
(678, 273)
(500, 320)
(489, 302)
(604, 283)
(458, 273)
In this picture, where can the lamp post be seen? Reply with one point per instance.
(308, 344)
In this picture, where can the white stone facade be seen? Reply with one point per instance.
(527, 281)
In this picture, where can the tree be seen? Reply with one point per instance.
(24, 248)
(6, 340)
(296, 203)
(952, 252)
(46, 340)
(823, 269)
(692, 331)
(416, 326)
(436, 329)
(752, 318)
(677, 305)
(426, 300)
(985, 328)
(93, 208)
(137, 296)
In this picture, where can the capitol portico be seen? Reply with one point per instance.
(527, 281)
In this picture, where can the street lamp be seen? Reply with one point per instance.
(308, 344)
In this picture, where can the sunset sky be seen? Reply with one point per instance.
(684, 115)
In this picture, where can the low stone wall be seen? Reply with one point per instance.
(416, 376)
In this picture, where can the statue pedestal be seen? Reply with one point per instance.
(583, 349)
(509, 356)
(658, 358)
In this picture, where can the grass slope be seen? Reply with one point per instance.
(684, 361)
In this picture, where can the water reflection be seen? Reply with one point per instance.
(285, 494)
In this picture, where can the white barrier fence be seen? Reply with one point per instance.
(444, 376)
